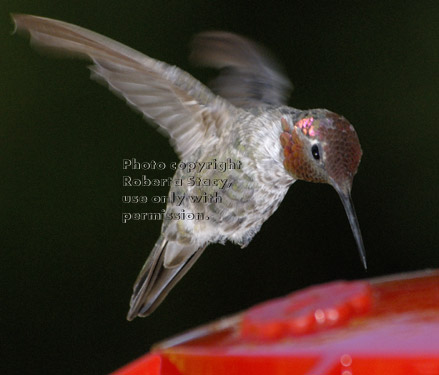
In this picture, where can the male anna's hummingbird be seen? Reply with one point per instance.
(243, 119)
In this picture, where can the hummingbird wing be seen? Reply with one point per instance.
(249, 75)
(183, 108)
(158, 276)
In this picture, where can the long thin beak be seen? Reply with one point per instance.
(352, 217)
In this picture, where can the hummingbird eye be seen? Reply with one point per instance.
(315, 152)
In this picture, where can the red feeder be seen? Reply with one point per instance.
(382, 326)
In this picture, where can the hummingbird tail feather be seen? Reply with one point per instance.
(156, 280)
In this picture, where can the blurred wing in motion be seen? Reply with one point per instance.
(249, 76)
(183, 108)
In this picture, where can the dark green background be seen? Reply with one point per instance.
(67, 262)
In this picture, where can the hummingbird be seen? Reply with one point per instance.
(243, 117)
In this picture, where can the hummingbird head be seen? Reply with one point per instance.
(322, 146)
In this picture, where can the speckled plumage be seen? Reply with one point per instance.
(244, 119)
